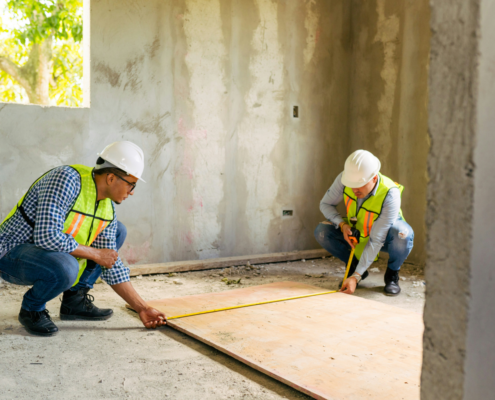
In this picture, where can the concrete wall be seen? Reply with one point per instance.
(459, 351)
(480, 346)
(388, 97)
(34, 140)
(206, 88)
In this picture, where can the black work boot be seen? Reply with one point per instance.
(37, 322)
(392, 287)
(78, 305)
(352, 269)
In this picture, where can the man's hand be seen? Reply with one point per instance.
(346, 230)
(349, 285)
(151, 318)
(106, 257)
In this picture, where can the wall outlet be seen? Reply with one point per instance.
(287, 213)
(295, 111)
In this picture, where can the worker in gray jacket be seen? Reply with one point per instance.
(373, 201)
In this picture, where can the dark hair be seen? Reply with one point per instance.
(115, 170)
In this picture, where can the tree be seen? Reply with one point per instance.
(42, 53)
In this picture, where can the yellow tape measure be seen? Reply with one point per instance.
(251, 304)
(268, 301)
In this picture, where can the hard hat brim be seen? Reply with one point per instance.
(355, 185)
(116, 164)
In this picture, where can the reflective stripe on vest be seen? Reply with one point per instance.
(87, 218)
(369, 211)
(348, 204)
(74, 227)
(368, 223)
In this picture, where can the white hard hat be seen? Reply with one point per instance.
(360, 168)
(125, 155)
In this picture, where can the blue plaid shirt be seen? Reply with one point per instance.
(48, 203)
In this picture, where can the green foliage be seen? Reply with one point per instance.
(67, 74)
(40, 19)
(10, 90)
(35, 21)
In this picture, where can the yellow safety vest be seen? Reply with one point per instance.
(369, 211)
(86, 219)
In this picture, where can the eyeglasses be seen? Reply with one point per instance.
(133, 185)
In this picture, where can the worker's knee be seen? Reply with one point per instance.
(62, 270)
(402, 236)
(320, 233)
(121, 234)
(69, 270)
(325, 232)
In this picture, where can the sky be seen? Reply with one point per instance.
(7, 20)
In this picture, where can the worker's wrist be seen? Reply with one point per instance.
(341, 225)
(357, 276)
(139, 307)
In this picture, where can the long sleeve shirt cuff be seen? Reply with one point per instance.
(337, 220)
(71, 245)
(119, 273)
(363, 265)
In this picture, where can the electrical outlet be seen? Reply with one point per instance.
(295, 111)
(287, 213)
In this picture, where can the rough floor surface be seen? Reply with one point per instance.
(118, 358)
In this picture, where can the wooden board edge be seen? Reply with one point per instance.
(214, 263)
(250, 363)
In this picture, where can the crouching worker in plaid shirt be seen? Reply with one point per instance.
(63, 234)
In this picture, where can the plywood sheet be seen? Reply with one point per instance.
(333, 346)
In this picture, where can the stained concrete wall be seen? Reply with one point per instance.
(459, 351)
(388, 97)
(34, 140)
(206, 88)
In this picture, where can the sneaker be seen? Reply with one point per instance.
(391, 278)
(78, 305)
(37, 322)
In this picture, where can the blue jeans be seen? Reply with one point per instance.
(49, 272)
(398, 244)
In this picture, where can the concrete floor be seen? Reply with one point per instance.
(119, 358)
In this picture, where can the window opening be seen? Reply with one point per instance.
(41, 52)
